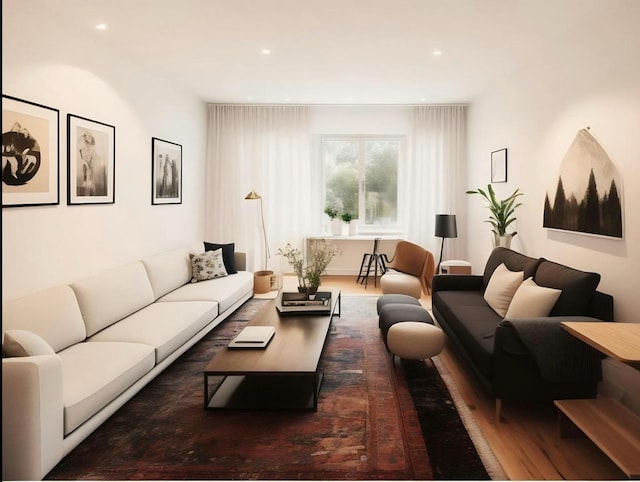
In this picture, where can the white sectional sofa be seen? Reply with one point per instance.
(92, 345)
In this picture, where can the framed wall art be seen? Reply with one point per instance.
(30, 153)
(166, 172)
(91, 161)
(499, 165)
(586, 195)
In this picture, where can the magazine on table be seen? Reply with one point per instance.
(253, 337)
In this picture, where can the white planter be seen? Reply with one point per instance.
(353, 228)
(336, 227)
(502, 241)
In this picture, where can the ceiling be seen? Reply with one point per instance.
(332, 51)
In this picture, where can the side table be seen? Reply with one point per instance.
(455, 266)
(608, 423)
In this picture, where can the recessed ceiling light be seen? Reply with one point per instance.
(266, 51)
(101, 26)
(437, 53)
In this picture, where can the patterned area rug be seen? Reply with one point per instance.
(370, 423)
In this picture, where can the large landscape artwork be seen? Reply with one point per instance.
(587, 195)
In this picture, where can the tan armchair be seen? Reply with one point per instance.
(411, 270)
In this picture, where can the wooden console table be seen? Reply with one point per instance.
(608, 423)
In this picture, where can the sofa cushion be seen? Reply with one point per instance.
(52, 314)
(228, 255)
(513, 260)
(532, 301)
(473, 322)
(578, 287)
(112, 295)
(501, 288)
(96, 373)
(207, 265)
(24, 343)
(164, 326)
(225, 291)
(168, 270)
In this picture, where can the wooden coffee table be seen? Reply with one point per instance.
(284, 375)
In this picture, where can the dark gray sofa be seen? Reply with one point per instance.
(510, 363)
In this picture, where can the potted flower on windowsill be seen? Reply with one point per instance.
(502, 214)
(309, 273)
(333, 210)
(347, 217)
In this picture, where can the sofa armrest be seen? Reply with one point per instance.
(457, 282)
(32, 416)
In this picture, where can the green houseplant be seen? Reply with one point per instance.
(502, 214)
(309, 273)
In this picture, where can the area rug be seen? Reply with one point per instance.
(368, 426)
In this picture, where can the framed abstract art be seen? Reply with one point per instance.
(30, 153)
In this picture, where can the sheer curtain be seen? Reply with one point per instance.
(431, 181)
(266, 149)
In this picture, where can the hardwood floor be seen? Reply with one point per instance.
(526, 441)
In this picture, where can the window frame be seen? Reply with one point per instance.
(361, 140)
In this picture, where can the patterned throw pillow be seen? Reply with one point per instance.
(208, 265)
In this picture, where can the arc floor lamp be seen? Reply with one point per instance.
(262, 280)
(446, 227)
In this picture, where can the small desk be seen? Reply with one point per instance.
(620, 341)
(608, 423)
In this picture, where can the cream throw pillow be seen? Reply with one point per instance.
(208, 265)
(501, 288)
(532, 301)
(24, 343)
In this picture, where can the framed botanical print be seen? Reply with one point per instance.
(30, 153)
(91, 161)
(166, 172)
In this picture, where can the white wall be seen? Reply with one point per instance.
(48, 245)
(536, 115)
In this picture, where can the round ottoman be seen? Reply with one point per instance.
(393, 313)
(401, 299)
(413, 340)
(401, 283)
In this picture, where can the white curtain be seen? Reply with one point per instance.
(431, 181)
(266, 149)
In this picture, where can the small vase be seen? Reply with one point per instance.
(353, 228)
(336, 227)
(308, 290)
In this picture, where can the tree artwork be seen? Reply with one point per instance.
(587, 191)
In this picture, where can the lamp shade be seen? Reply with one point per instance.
(253, 195)
(446, 226)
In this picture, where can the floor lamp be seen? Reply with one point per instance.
(445, 228)
(261, 279)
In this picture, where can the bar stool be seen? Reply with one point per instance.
(371, 260)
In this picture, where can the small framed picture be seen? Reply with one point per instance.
(166, 172)
(30, 153)
(499, 165)
(91, 162)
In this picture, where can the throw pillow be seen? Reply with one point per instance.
(24, 343)
(532, 301)
(501, 288)
(228, 254)
(208, 265)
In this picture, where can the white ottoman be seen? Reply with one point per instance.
(401, 283)
(414, 340)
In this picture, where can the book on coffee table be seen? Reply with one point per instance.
(253, 337)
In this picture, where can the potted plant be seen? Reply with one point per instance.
(347, 217)
(502, 214)
(309, 273)
(333, 210)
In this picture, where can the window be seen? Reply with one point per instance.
(361, 178)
